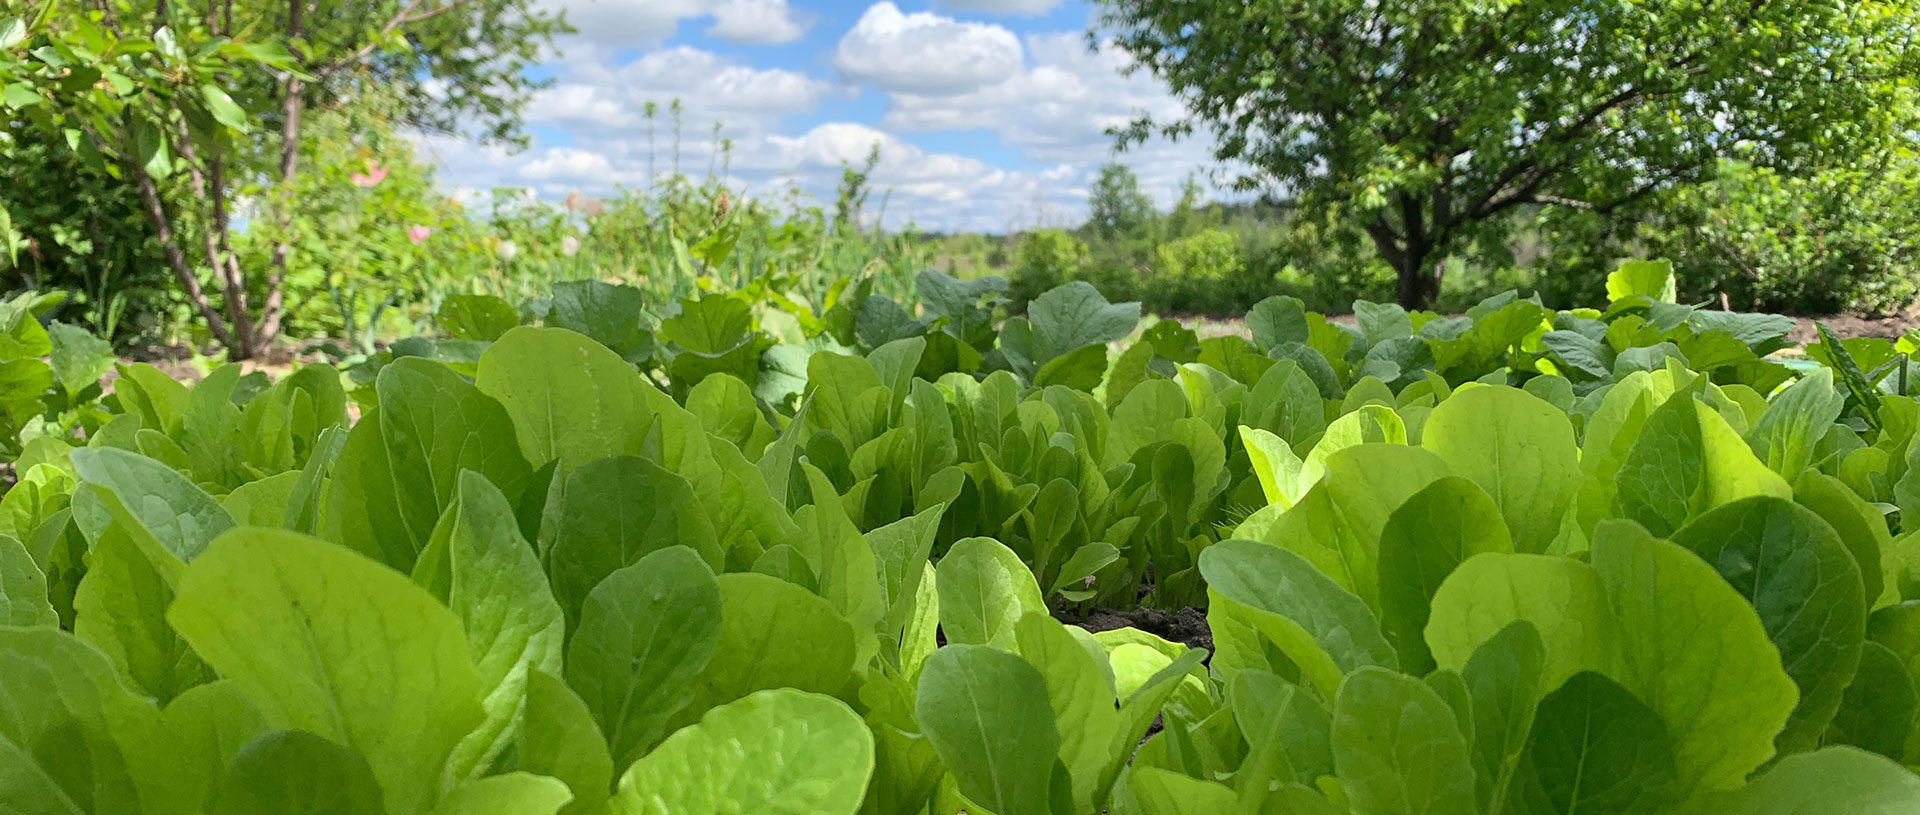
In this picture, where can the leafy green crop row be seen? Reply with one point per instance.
(739, 557)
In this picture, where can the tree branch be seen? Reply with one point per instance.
(407, 16)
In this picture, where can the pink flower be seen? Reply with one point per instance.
(574, 201)
(592, 207)
(374, 175)
(569, 245)
(418, 234)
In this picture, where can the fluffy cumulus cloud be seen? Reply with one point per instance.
(598, 100)
(650, 22)
(1036, 111)
(1058, 108)
(926, 53)
(767, 22)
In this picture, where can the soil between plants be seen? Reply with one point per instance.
(1188, 626)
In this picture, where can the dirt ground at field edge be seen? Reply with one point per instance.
(1846, 325)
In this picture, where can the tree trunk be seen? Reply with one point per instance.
(291, 107)
(1419, 279)
(176, 259)
(210, 185)
(1416, 285)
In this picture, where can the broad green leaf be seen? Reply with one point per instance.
(1694, 651)
(168, 506)
(900, 551)
(508, 794)
(1687, 460)
(559, 739)
(1503, 684)
(1595, 749)
(1275, 595)
(1860, 526)
(1144, 417)
(263, 502)
(727, 409)
(1424, 540)
(157, 398)
(1833, 781)
(78, 358)
(1806, 587)
(646, 633)
(984, 591)
(1337, 525)
(120, 608)
(1367, 424)
(72, 737)
(761, 618)
(223, 109)
(1790, 429)
(401, 465)
(1649, 278)
(324, 640)
(1518, 448)
(616, 511)
(1162, 792)
(781, 752)
(1880, 707)
(23, 588)
(1562, 598)
(203, 730)
(1288, 733)
(608, 313)
(987, 714)
(1080, 691)
(482, 317)
(1069, 317)
(1275, 465)
(1397, 747)
(500, 594)
(297, 773)
(848, 571)
(1277, 320)
(570, 398)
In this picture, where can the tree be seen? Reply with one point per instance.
(1116, 206)
(182, 87)
(1429, 120)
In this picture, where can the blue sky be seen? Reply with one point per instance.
(990, 113)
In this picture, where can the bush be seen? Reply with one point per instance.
(1046, 258)
(1834, 240)
(85, 234)
(1203, 272)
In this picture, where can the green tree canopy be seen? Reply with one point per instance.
(168, 98)
(1426, 120)
(1116, 206)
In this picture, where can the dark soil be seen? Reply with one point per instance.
(1188, 626)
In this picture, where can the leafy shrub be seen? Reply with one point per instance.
(83, 233)
(1833, 240)
(1203, 272)
(1044, 259)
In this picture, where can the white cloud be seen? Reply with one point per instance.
(608, 101)
(765, 22)
(649, 22)
(1058, 110)
(926, 53)
(1026, 7)
(1048, 98)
